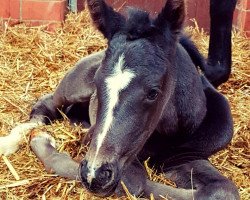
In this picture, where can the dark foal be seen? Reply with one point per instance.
(145, 98)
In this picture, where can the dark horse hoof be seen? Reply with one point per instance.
(216, 74)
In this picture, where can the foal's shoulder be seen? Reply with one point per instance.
(78, 84)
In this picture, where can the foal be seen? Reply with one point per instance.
(145, 98)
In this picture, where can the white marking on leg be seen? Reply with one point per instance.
(115, 83)
(10, 143)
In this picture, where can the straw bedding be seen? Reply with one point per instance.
(32, 62)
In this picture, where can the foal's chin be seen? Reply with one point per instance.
(101, 191)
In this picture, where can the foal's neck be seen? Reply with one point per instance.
(186, 108)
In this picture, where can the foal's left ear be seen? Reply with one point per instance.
(172, 16)
(105, 18)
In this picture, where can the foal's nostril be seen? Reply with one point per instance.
(101, 181)
(83, 172)
(104, 176)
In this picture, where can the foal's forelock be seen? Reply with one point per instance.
(114, 84)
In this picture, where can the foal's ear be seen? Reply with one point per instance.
(171, 16)
(105, 18)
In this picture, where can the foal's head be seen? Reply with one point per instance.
(134, 83)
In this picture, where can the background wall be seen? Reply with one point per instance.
(198, 9)
(33, 12)
(242, 16)
(36, 12)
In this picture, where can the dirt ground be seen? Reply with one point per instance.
(32, 62)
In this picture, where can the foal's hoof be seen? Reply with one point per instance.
(37, 138)
(216, 74)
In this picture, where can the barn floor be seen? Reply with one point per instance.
(32, 62)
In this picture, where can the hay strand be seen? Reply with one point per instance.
(129, 195)
(11, 168)
(15, 184)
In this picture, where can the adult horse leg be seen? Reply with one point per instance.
(219, 56)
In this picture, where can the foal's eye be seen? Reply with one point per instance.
(152, 94)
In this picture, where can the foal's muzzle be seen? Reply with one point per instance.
(104, 181)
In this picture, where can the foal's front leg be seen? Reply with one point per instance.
(135, 179)
(43, 145)
(196, 179)
(203, 180)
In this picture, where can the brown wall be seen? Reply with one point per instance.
(198, 9)
(242, 16)
(39, 12)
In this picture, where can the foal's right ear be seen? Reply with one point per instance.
(105, 18)
(172, 16)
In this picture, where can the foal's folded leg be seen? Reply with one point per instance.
(196, 179)
(135, 179)
(43, 111)
(161, 191)
(205, 180)
(43, 145)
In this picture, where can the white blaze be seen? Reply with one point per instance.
(115, 83)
